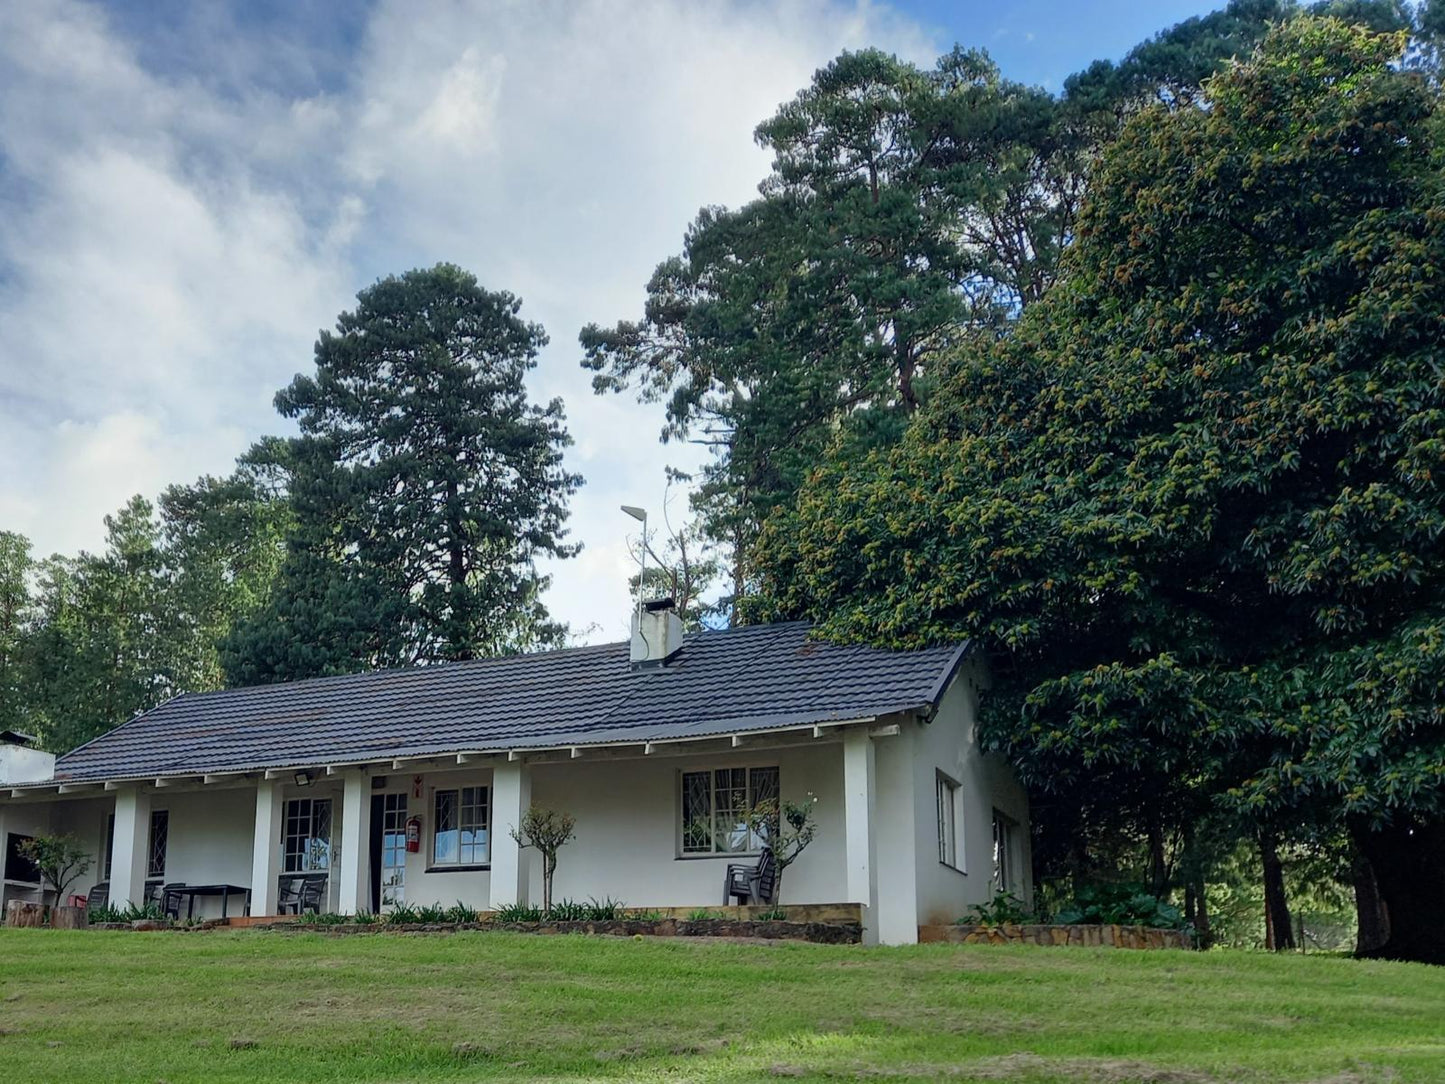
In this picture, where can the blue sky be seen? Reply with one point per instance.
(190, 190)
(1044, 41)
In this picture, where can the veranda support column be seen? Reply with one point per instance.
(355, 883)
(266, 849)
(129, 859)
(859, 802)
(511, 796)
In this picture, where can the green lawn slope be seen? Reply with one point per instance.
(268, 1006)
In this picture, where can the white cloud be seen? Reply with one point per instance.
(170, 249)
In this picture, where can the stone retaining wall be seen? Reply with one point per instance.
(1129, 937)
(823, 933)
(827, 933)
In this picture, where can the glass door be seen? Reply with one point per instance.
(391, 825)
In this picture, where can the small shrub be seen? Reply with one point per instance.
(603, 910)
(330, 918)
(567, 911)
(403, 914)
(645, 916)
(105, 914)
(776, 914)
(148, 912)
(702, 914)
(366, 918)
(1119, 905)
(519, 912)
(432, 914)
(459, 913)
(1004, 907)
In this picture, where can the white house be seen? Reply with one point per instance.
(654, 747)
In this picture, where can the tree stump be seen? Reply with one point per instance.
(69, 918)
(20, 913)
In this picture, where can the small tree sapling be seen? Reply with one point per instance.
(547, 830)
(786, 829)
(62, 860)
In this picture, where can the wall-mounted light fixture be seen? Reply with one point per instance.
(303, 779)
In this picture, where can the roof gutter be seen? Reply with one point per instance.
(573, 750)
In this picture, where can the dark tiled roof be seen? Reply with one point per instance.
(753, 678)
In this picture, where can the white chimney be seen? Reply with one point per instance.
(656, 633)
(20, 763)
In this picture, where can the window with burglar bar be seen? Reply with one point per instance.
(715, 805)
(460, 837)
(307, 835)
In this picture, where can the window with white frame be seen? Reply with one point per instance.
(160, 842)
(460, 836)
(715, 806)
(158, 845)
(949, 800)
(109, 847)
(1004, 872)
(306, 836)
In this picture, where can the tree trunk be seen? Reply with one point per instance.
(1372, 923)
(1278, 930)
(69, 918)
(1408, 860)
(549, 867)
(19, 913)
(1158, 862)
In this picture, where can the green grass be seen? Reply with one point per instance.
(244, 1006)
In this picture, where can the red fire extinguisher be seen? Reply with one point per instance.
(413, 835)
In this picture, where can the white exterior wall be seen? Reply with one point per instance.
(22, 764)
(628, 822)
(949, 745)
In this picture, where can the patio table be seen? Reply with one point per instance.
(224, 891)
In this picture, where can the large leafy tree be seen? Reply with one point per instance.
(223, 540)
(906, 209)
(1193, 505)
(907, 212)
(424, 487)
(16, 567)
(97, 652)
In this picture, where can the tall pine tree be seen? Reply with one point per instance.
(424, 487)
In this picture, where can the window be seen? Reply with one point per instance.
(1004, 873)
(160, 840)
(949, 801)
(393, 850)
(306, 836)
(109, 847)
(715, 805)
(459, 837)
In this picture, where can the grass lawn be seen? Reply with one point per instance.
(251, 1006)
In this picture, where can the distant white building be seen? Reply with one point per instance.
(403, 785)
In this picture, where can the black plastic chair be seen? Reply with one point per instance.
(98, 898)
(752, 884)
(288, 894)
(313, 891)
(170, 900)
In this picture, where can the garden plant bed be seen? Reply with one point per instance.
(1009, 933)
(825, 933)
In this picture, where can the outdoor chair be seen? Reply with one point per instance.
(752, 884)
(288, 894)
(313, 891)
(98, 897)
(170, 900)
